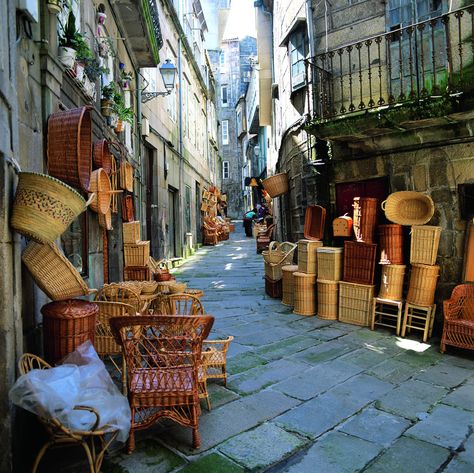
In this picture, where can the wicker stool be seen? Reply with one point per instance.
(387, 313)
(418, 318)
(305, 294)
(288, 285)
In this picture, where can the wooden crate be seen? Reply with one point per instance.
(355, 303)
(329, 263)
(308, 257)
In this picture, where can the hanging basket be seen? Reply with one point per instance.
(69, 147)
(100, 185)
(126, 175)
(276, 185)
(408, 208)
(102, 156)
(44, 207)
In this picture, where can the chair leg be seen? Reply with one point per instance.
(40, 455)
(124, 375)
(196, 438)
(131, 442)
(89, 457)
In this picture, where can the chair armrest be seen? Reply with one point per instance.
(451, 309)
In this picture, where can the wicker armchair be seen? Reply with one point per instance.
(61, 435)
(104, 343)
(458, 329)
(163, 355)
(216, 358)
(264, 238)
(117, 293)
(209, 234)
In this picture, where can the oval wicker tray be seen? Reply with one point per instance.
(408, 208)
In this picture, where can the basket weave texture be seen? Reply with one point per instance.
(69, 147)
(288, 285)
(66, 325)
(305, 294)
(424, 244)
(391, 284)
(44, 207)
(131, 232)
(359, 262)
(276, 185)
(308, 256)
(105, 220)
(408, 208)
(328, 292)
(136, 254)
(355, 303)
(391, 244)
(177, 287)
(365, 218)
(314, 219)
(128, 214)
(136, 273)
(126, 175)
(422, 285)
(102, 156)
(329, 263)
(273, 288)
(100, 186)
(53, 272)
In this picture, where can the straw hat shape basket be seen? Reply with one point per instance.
(276, 185)
(44, 207)
(408, 208)
(102, 156)
(69, 146)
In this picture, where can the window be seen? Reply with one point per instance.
(225, 132)
(225, 170)
(224, 95)
(74, 243)
(222, 59)
(297, 52)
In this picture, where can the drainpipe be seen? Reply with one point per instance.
(181, 150)
(309, 20)
(139, 141)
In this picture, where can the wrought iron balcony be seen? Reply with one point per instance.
(141, 25)
(416, 64)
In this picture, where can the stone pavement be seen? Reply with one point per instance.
(307, 395)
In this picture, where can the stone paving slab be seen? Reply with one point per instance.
(445, 375)
(462, 397)
(214, 463)
(323, 352)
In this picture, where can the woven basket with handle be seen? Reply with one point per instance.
(276, 185)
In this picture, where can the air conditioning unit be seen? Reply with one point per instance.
(145, 127)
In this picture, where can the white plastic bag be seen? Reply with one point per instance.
(81, 381)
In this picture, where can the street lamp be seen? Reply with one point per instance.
(168, 74)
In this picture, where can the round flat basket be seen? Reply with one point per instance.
(100, 185)
(102, 156)
(408, 208)
(44, 207)
(276, 185)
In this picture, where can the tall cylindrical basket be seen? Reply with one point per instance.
(305, 294)
(422, 286)
(328, 293)
(391, 244)
(288, 284)
(365, 218)
(391, 285)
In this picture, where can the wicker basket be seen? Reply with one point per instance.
(136, 254)
(102, 156)
(365, 218)
(69, 147)
(44, 207)
(424, 244)
(53, 272)
(276, 185)
(408, 208)
(307, 256)
(206, 195)
(359, 262)
(204, 207)
(328, 292)
(131, 232)
(136, 273)
(342, 226)
(105, 220)
(128, 214)
(391, 244)
(305, 294)
(355, 303)
(273, 288)
(288, 286)
(100, 186)
(391, 285)
(177, 287)
(194, 292)
(279, 253)
(329, 263)
(66, 325)
(126, 175)
(314, 219)
(422, 286)
(257, 228)
(273, 271)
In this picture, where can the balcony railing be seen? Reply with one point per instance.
(422, 61)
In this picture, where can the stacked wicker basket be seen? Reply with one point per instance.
(277, 257)
(329, 275)
(136, 253)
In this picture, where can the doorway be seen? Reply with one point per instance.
(172, 219)
(198, 213)
(151, 200)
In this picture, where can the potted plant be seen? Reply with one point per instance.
(67, 42)
(83, 55)
(125, 79)
(54, 6)
(107, 101)
(124, 114)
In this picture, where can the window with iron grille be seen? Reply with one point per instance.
(297, 53)
(225, 170)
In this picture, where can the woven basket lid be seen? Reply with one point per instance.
(329, 249)
(291, 268)
(69, 309)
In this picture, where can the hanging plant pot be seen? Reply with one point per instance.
(106, 107)
(67, 56)
(119, 127)
(54, 6)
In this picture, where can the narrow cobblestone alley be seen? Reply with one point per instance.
(307, 395)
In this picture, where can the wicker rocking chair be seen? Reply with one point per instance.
(163, 356)
(62, 435)
(458, 329)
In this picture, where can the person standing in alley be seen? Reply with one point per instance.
(248, 219)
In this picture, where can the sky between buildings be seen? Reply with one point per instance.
(241, 20)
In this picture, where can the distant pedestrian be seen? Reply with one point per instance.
(248, 219)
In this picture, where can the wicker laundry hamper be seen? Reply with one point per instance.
(305, 302)
(391, 244)
(328, 299)
(329, 263)
(288, 285)
(308, 256)
(391, 284)
(365, 218)
(422, 285)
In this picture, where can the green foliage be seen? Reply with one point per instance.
(68, 38)
(83, 52)
(109, 91)
(94, 70)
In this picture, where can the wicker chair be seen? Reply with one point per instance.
(62, 435)
(210, 234)
(163, 355)
(181, 304)
(264, 238)
(458, 329)
(104, 343)
(117, 293)
(216, 361)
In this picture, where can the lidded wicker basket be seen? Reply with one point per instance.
(44, 207)
(342, 226)
(102, 156)
(329, 263)
(131, 232)
(69, 146)
(53, 272)
(408, 208)
(276, 185)
(100, 185)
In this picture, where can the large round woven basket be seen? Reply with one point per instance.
(276, 185)
(408, 208)
(102, 156)
(69, 146)
(100, 185)
(44, 207)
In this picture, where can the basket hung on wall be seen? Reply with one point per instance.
(408, 208)
(102, 156)
(276, 185)
(69, 147)
(126, 175)
(100, 185)
(44, 207)
(128, 214)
